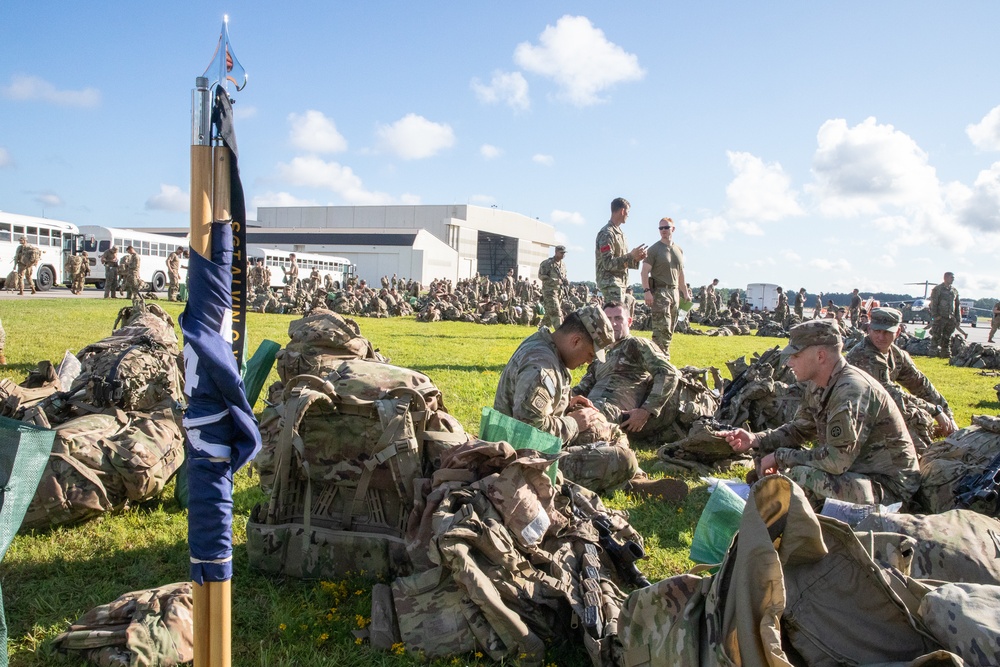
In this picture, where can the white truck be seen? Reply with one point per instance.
(762, 295)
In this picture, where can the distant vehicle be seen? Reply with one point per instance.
(917, 311)
(338, 268)
(762, 296)
(151, 248)
(968, 308)
(52, 237)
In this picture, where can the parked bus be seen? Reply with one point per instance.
(151, 248)
(52, 237)
(338, 268)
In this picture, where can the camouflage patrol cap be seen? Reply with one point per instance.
(598, 326)
(813, 332)
(560, 248)
(885, 319)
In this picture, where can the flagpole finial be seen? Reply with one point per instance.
(225, 67)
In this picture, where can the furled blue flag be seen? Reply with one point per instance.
(221, 429)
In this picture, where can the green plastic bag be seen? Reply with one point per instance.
(717, 525)
(495, 426)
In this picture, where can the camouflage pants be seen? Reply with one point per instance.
(79, 282)
(942, 329)
(173, 287)
(24, 278)
(664, 317)
(993, 327)
(111, 282)
(599, 466)
(855, 316)
(849, 486)
(710, 311)
(616, 292)
(553, 309)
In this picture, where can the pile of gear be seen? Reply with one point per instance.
(116, 408)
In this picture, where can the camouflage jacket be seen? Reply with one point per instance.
(856, 427)
(552, 273)
(636, 375)
(612, 255)
(944, 302)
(535, 387)
(896, 371)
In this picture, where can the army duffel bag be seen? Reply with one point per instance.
(319, 342)
(340, 459)
(103, 461)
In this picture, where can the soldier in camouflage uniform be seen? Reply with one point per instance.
(633, 384)
(862, 452)
(109, 258)
(800, 304)
(552, 273)
(535, 388)
(614, 259)
(70, 267)
(292, 275)
(895, 370)
(663, 284)
(174, 274)
(946, 314)
(26, 257)
(855, 307)
(80, 277)
(130, 269)
(781, 310)
(709, 308)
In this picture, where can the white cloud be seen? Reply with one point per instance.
(838, 265)
(863, 169)
(414, 137)
(985, 135)
(509, 88)
(311, 171)
(748, 228)
(280, 199)
(489, 151)
(5, 159)
(169, 198)
(566, 217)
(580, 59)
(886, 261)
(28, 88)
(759, 191)
(709, 229)
(48, 198)
(791, 256)
(542, 159)
(981, 206)
(315, 133)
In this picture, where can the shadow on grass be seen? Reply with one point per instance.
(993, 406)
(428, 369)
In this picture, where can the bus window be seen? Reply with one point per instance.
(32, 235)
(145, 247)
(104, 245)
(5, 231)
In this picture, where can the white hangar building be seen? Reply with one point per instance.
(419, 242)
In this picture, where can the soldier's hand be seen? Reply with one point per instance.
(638, 253)
(648, 298)
(741, 440)
(585, 418)
(635, 420)
(768, 465)
(945, 425)
(580, 401)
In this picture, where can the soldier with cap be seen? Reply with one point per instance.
(800, 304)
(895, 370)
(535, 388)
(994, 321)
(862, 453)
(708, 304)
(855, 307)
(552, 273)
(614, 259)
(946, 314)
(663, 284)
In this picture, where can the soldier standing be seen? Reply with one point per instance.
(552, 273)
(781, 310)
(130, 270)
(174, 273)
(994, 322)
(734, 304)
(855, 307)
(25, 258)
(70, 268)
(709, 308)
(818, 308)
(109, 258)
(292, 275)
(80, 277)
(663, 284)
(946, 313)
(800, 303)
(613, 258)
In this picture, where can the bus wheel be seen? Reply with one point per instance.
(159, 281)
(45, 278)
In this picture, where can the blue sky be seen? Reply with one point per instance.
(818, 145)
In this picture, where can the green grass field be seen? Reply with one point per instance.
(49, 579)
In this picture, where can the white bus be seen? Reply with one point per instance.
(338, 268)
(151, 248)
(51, 236)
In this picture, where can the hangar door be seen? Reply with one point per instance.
(497, 255)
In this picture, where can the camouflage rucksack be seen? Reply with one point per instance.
(949, 462)
(319, 342)
(339, 459)
(150, 628)
(101, 462)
